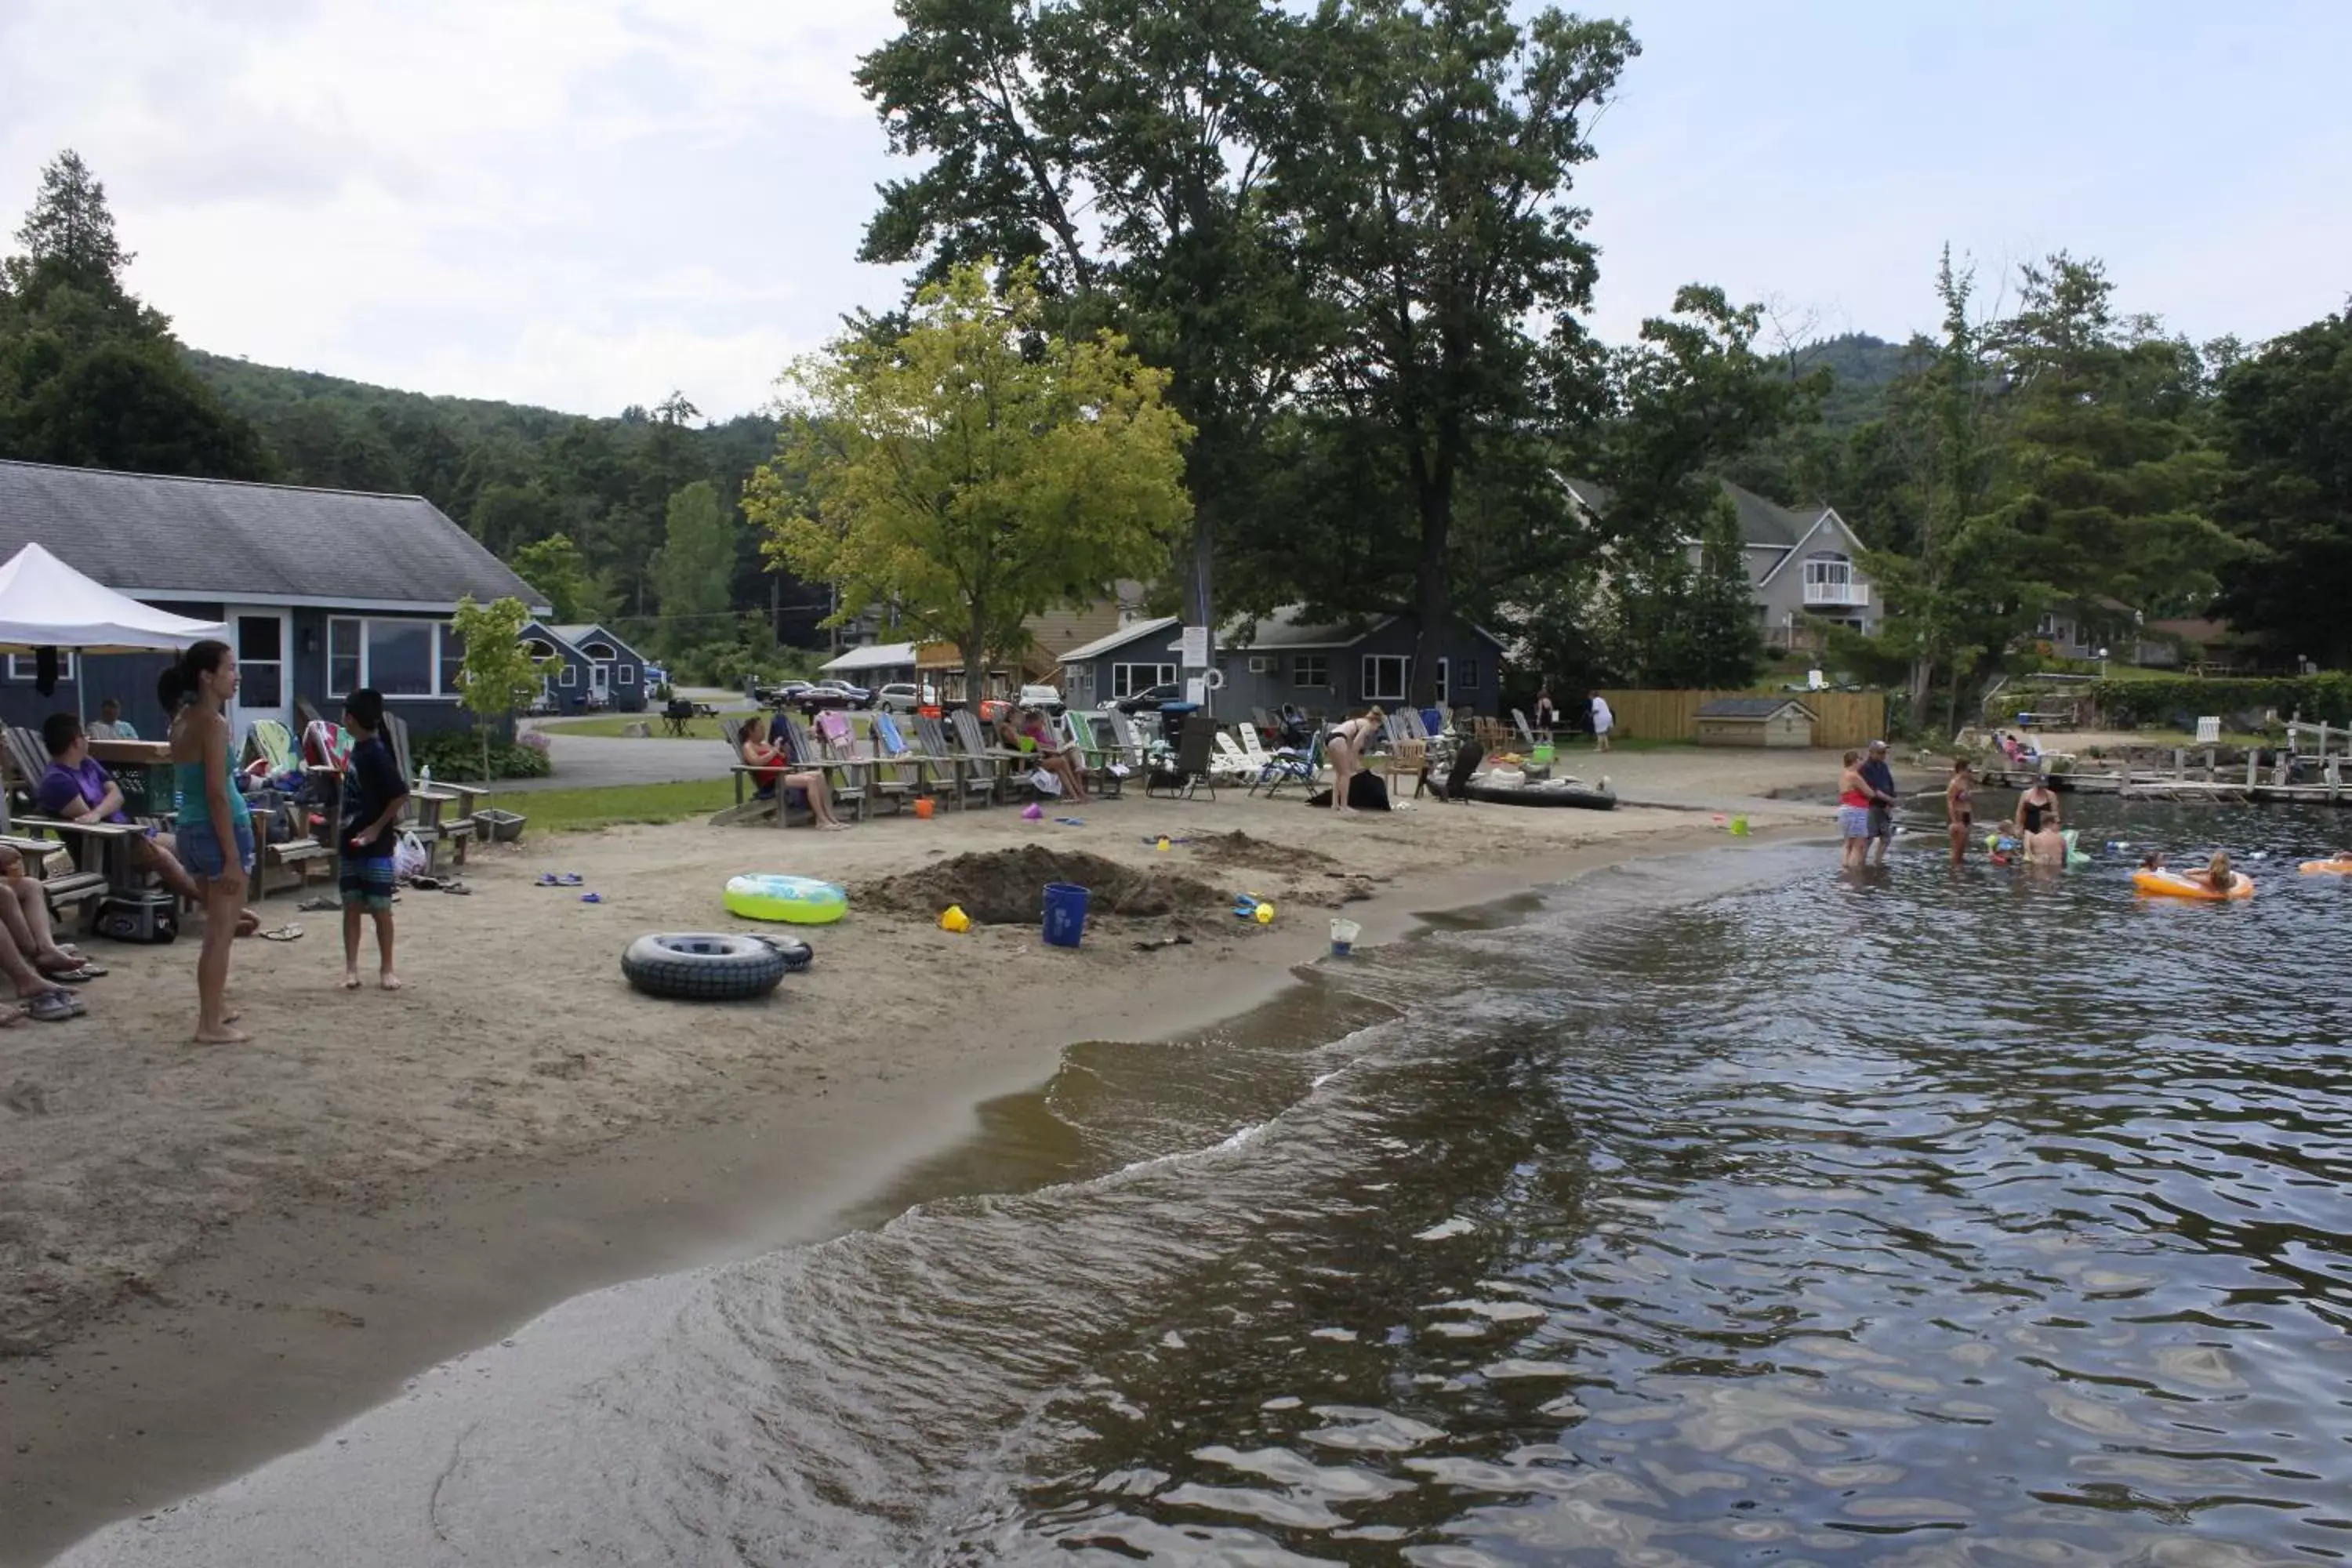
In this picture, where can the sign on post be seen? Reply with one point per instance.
(1195, 651)
(2208, 731)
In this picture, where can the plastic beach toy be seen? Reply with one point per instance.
(797, 900)
(1343, 937)
(954, 918)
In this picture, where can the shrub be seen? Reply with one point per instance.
(2178, 704)
(456, 758)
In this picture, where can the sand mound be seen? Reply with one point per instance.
(1007, 887)
(1238, 849)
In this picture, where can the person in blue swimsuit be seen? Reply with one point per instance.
(215, 826)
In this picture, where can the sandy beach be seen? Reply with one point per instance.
(209, 1254)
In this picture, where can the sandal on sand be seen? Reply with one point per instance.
(568, 879)
(317, 905)
(50, 1006)
(283, 933)
(591, 899)
(78, 975)
(427, 882)
(458, 888)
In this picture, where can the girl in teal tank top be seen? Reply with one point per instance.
(197, 692)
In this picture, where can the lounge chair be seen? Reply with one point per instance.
(426, 817)
(845, 778)
(1265, 767)
(751, 805)
(96, 854)
(986, 761)
(1195, 755)
(1232, 763)
(968, 779)
(270, 741)
(1295, 768)
(918, 774)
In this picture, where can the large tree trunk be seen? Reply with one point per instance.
(975, 650)
(1433, 591)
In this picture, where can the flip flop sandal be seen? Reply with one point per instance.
(318, 906)
(429, 883)
(49, 1007)
(283, 933)
(458, 888)
(548, 880)
(79, 975)
(591, 898)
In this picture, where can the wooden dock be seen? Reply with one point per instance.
(2209, 783)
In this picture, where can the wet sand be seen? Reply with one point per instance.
(212, 1256)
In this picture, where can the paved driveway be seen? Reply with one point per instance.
(594, 761)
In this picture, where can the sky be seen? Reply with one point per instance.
(587, 204)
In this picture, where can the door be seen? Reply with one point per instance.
(264, 678)
(600, 685)
(1445, 684)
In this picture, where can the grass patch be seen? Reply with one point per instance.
(610, 726)
(584, 810)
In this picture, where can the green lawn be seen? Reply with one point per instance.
(610, 725)
(582, 810)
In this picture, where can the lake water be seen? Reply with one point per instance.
(1710, 1211)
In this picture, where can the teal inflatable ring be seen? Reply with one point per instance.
(797, 900)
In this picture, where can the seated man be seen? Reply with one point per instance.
(78, 788)
(112, 725)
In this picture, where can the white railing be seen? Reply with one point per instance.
(1837, 593)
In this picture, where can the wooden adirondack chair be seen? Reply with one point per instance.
(918, 774)
(986, 762)
(1104, 770)
(969, 780)
(843, 778)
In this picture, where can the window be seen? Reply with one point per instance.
(2050, 626)
(1311, 669)
(21, 666)
(1828, 569)
(1465, 676)
(1386, 675)
(399, 658)
(539, 648)
(599, 652)
(1128, 679)
(626, 674)
(1263, 664)
(571, 675)
(343, 659)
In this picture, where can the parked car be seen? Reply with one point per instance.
(905, 697)
(779, 694)
(835, 694)
(1045, 696)
(1149, 701)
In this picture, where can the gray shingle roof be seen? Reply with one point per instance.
(1761, 522)
(1749, 707)
(221, 539)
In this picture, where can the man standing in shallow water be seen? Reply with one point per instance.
(1881, 780)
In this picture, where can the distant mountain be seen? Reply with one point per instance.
(1862, 367)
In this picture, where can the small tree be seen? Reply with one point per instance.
(977, 471)
(497, 675)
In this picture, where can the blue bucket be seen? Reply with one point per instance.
(1066, 914)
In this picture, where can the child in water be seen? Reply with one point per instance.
(2152, 861)
(2216, 874)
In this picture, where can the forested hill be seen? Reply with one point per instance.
(1861, 367)
(513, 474)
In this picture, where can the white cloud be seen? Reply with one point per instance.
(584, 202)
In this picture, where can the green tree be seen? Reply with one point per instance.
(1432, 192)
(88, 376)
(1125, 148)
(978, 470)
(694, 571)
(2285, 419)
(496, 675)
(555, 566)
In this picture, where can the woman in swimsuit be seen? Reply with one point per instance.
(2216, 874)
(215, 826)
(1854, 796)
(1344, 745)
(2033, 807)
(1960, 808)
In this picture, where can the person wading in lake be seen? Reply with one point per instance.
(1853, 812)
(1960, 808)
(1881, 780)
(2035, 807)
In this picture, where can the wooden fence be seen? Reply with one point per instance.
(1841, 719)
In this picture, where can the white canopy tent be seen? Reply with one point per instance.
(44, 603)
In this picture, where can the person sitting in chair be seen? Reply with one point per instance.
(78, 788)
(112, 725)
(773, 765)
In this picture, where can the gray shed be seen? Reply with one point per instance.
(1755, 722)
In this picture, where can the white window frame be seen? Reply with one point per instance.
(611, 655)
(1465, 676)
(625, 674)
(440, 630)
(1314, 665)
(1374, 691)
(1123, 683)
(1830, 569)
(571, 674)
(23, 665)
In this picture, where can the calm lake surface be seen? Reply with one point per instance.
(1713, 1211)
